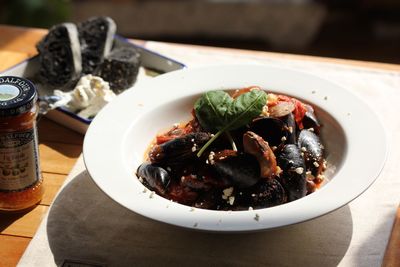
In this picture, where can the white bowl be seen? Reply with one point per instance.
(118, 137)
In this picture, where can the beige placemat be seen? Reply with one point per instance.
(84, 225)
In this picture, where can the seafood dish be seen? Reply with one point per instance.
(243, 149)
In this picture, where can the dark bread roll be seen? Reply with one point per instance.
(120, 68)
(96, 37)
(60, 55)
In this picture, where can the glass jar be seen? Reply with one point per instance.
(21, 184)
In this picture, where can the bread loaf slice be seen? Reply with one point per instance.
(60, 55)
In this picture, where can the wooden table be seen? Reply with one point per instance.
(60, 147)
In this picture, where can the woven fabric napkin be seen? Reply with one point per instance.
(86, 226)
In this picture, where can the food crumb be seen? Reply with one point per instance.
(194, 148)
(278, 170)
(320, 178)
(176, 125)
(311, 129)
(299, 170)
(140, 179)
(250, 208)
(325, 98)
(283, 138)
(195, 224)
(290, 128)
(257, 217)
(303, 149)
(231, 200)
(316, 164)
(227, 192)
(144, 190)
(313, 92)
(211, 157)
(151, 194)
(191, 209)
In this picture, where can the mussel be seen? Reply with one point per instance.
(290, 125)
(293, 176)
(255, 145)
(179, 149)
(264, 194)
(310, 120)
(272, 130)
(313, 150)
(155, 177)
(210, 199)
(241, 169)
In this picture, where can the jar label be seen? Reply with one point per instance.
(19, 163)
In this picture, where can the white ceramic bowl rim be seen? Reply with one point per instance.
(108, 147)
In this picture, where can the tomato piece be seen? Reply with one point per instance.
(299, 112)
(182, 194)
(160, 139)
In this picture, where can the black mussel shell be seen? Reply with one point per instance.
(266, 193)
(293, 176)
(313, 151)
(310, 120)
(155, 177)
(241, 169)
(178, 150)
(272, 130)
(290, 124)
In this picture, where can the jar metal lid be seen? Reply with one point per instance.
(17, 95)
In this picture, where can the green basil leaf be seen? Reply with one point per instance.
(245, 108)
(210, 109)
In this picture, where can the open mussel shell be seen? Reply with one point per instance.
(241, 169)
(293, 176)
(313, 150)
(155, 177)
(255, 145)
(272, 130)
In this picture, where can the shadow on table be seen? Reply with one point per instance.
(85, 225)
(8, 218)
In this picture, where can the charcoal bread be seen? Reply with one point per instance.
(96, 37)
(120, 68)
(60, 55)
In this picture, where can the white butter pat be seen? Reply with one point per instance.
(89, 96)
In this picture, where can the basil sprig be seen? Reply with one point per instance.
(218, 112)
